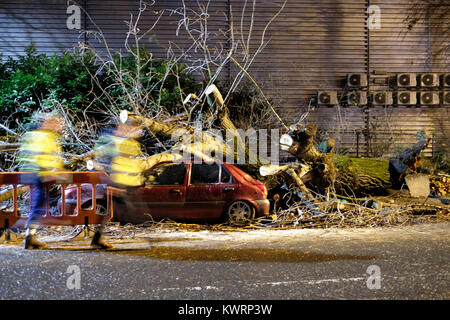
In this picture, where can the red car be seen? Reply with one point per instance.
(186, 191)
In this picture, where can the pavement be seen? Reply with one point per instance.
(410, 262)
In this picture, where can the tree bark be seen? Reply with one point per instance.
(406, 162)
(323, 171)
(361, 176)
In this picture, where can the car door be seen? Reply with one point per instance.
(228, 187)
(206, 193)
(164, 193)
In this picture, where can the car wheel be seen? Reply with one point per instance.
(100, 207)
(240, 211)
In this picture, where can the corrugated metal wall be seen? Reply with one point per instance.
(394, 49)
(113, 18)
(40, 21)
(312, 45)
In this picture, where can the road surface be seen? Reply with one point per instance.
(384, 263)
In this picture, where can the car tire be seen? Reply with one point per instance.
(239, 211)
(100, 207)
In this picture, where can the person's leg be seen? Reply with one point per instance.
(98, 240)
(36, 212)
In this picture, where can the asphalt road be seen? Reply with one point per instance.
(391, 263)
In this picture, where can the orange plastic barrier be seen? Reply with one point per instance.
(14, 218)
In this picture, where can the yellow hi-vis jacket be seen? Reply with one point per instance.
(41, 152)
(128, 165)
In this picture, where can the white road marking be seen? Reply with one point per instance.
(307, 282)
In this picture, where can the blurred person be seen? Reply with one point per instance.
(120, 155)
(105, 151)
(128, 163)
(41, 153)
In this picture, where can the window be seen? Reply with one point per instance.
(168, 174)
(225, 176)
(205, 173)
(209, 174)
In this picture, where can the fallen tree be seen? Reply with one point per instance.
(317, 170)
(323, 170)
(407, 161)
(342, 175)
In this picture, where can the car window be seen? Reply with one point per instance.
(205, 173)
(210, 174)
(225, 176)
(166, 174)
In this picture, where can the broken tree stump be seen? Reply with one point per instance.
(323, 170)
(407, 161)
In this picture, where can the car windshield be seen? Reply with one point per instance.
(166, 174)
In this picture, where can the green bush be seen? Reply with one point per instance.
(34, 80)
(28, 82)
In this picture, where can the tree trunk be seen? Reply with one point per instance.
(406, 162)
(323, 171)
(361, 176)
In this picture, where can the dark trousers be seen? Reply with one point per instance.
(128, 197)
(38, 209)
